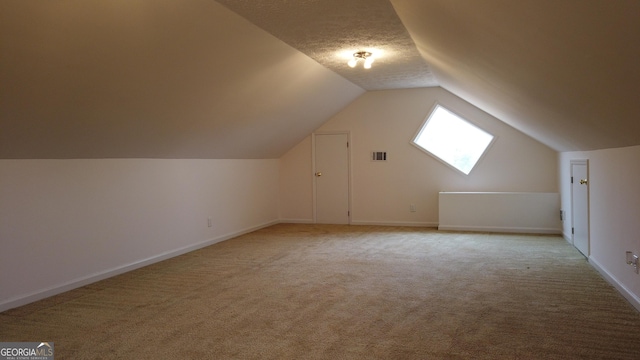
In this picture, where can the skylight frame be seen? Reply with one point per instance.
(472, 124)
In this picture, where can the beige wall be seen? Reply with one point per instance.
(296, 187)
(383, 191)
(64, 223)
(614, 212)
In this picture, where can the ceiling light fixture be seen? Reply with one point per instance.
(364, 55)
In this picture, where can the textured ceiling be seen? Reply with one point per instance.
(251, 78)
(330, 31)
(564, 72)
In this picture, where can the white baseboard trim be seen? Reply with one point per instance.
(631, 297)
(396, 223)
(296, 221)
(567, 237)
(89, 279)
(519, 230)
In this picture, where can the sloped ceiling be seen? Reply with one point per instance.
(154, 79)
(566, 72)
(196, 79)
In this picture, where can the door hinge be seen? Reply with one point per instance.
(347, 144)
(348, 213)
(572, 179)
(573, 231)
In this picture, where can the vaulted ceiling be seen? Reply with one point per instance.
(562, 71)
(251, 78)
(154, 79)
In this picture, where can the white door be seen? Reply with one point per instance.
(580, 205)
(331, 178)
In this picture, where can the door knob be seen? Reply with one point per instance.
(318, 173)
(583, 182)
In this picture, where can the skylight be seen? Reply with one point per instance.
(452, 139)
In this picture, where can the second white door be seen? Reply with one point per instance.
(580, 205)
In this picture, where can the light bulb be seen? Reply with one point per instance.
(367, 62)
(353, 62)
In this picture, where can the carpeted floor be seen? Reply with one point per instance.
(345, 292)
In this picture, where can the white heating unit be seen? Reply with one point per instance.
(520, 212)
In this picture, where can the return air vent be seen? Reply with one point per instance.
(379, 155)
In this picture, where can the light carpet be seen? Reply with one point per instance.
(295, 291)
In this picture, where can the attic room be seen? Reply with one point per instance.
(133, 132)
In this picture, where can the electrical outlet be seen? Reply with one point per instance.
(412, 208)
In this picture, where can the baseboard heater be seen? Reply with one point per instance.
(518, 212)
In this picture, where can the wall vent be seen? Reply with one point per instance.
(379, 155)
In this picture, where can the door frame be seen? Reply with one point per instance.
(313, 169)
(586, 163)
